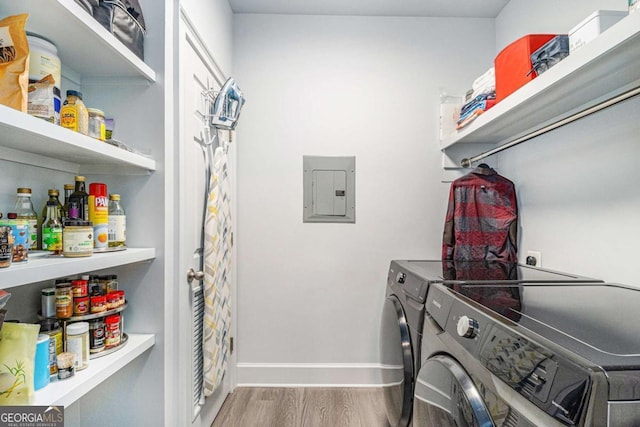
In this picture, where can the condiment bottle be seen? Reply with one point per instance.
(99, 214)
(81, 198)
(74, 114)
(24, 210)
(53, 197)
(117, 222)
(68, 189)
(52, 229)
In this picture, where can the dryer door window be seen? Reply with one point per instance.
(446, 396)
(397, 363)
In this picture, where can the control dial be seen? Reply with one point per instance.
(467, 327)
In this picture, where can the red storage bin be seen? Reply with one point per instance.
(513, 64)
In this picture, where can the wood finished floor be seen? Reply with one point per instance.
(302, 407)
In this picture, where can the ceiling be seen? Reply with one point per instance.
(433, 8)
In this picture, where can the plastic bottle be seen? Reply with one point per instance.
(99, 214)
(24, 210)
(52, 229)
(81, 198)
(117, 222)
(74, 114)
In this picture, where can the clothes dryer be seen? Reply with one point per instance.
(403, 316)
(527, 355)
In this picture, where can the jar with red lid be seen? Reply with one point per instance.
(98, 303)
(80, 288)
(112, 333)
(80, 306)
(121, 299)
(113, 299)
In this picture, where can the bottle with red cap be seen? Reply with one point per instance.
(99, 215)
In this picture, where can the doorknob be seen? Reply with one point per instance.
(192, 274)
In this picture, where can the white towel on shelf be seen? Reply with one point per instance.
(217, 270)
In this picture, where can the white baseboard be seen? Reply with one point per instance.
(309, 375)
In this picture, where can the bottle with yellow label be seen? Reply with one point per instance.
(74, 114)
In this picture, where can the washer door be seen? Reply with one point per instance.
(447, 397)
(397, 363)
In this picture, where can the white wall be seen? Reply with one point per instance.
(521, 17)
(578, 186)
(312, 293)
(214, 20)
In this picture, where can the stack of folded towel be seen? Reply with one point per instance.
(481, 98)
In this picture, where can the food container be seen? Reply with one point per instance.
(112, 334)
(96, 124)
(78, 343)
(80, 306)
(6, 246)
(80, 288)
(64, 300)
(52, 328)
(65, 362)
(96, 335)
(77, 238)
(98, 304)
(48, 302)
(592, 26)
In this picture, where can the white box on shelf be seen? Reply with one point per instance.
(593, 26)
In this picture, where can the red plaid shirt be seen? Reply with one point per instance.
(482, 218)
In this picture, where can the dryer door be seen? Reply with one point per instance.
(447, 397)
(397, 363)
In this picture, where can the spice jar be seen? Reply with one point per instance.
(98, 304)
(97, 127)
(78, 343)
(64, 298)
(113, 300)
(48, 301)
(112, 331)
(77, 238)
(80, 288)
(80, 306)
(96, 335)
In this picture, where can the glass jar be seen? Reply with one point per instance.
(112, 334)
(96, 124)
(77, 238)
(24, 210)
(117, 222)
(64, 300)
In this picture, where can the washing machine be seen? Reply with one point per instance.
(528, 355)
(403, 316)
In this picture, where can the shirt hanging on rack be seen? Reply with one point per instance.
(217, 270)
(482, 218)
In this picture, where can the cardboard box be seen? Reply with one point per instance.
(513, 64)
(592, 26)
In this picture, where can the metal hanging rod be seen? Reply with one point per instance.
(465, 163)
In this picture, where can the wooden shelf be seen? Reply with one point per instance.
(45, 268)
(30, 140)
(83, 44)
(65, 392)
(604, 67)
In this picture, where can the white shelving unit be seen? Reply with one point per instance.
(30, 140)
(65, 392)
(603, 68)
(89, 53)
(88, 48)
(40, 268)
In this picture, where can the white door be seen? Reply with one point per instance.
(197, 73)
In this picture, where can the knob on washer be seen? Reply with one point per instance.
(467, 327)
